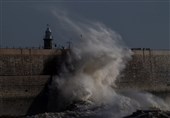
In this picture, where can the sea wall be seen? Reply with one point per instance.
(24, 62)
(24, 78)
(25, 75)
(148, 70)
(20, 95)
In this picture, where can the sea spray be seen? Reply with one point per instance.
(97, 58)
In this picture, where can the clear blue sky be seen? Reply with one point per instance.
(141, 23)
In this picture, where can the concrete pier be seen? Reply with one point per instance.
(26, 73)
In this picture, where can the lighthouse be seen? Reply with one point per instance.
(48, 38)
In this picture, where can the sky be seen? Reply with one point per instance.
(141, 23)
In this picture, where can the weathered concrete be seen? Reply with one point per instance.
(24, 78)
(25, 74)
(148, 70)
(18, 94)
(17, 62)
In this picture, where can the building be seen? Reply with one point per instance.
(48, 38)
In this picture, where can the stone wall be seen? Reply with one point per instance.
(26, 73)
(20, 95)
(16, 62)
(150, 65)
(148, 70)
(24, 78)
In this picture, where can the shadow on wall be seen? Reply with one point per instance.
(53, 66)
(39, 104)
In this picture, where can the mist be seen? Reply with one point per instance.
(98, 56)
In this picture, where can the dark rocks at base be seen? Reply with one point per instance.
(150, 114)
(8, 116)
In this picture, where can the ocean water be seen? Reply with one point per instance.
(87, 109)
